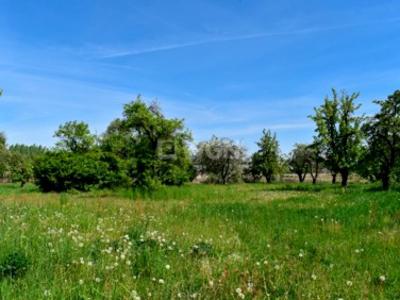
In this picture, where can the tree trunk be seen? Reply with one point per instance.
(268, 178)
(345, 177)
(334, 178)
(314, 180)
(385, 182)
(301, 177)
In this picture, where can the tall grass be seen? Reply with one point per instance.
(247, 241)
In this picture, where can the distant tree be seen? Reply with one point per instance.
(30, 152)
(267, 161)
(383, 139)
(3, 155)
(3, 141)
(20, 168)
(75, 137)
(298, 161)
(339, 131)
(221, 159)
(315, 159)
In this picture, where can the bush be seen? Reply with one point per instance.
(62, 171)
(14, 264)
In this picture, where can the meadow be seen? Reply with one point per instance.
(242, 241)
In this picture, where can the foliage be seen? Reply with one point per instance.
(339, 131)
(13, 264)
(315, 159)
(383, 140)
(299, 161)
(75, 137)
(220, 159)
(155, 146)
(267, 161)
(20, 168)
(61, 171)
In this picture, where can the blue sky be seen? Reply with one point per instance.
(230, 68)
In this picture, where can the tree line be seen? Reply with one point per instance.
(145, 149)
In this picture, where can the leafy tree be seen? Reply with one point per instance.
(383, 139)
(339, 131)
(75, 137)
(266, 161)
(155, 146)
(298, 161)
(221, 159)
(20, 168)
(315, 160)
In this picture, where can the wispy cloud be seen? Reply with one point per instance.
(250, 36)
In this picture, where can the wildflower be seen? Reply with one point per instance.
(81, 281)
(47, 293)
(161, 281)
(382, 278)
(240, 293)
(97, 279)
(134, 295)
(349, 283)
(167, 267)
(301, 255)
(314, 277)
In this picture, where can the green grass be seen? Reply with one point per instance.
(251, 241)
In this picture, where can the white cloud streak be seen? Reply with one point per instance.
(134, 52)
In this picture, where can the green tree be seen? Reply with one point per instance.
(154, 146)
(20, 168)
(220, 159)
(315, 159)
(383, 139)
(339, 130)
(75, 137)
(267, 161)
(298, 161)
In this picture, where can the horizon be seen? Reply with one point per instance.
(229, 69)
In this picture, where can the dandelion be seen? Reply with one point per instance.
(167, 267)
(135, 295)
(240, 293)
(314, 277)
(97, 279)
(349, 283)
(382, 278)
(161, 281)
(47, 293)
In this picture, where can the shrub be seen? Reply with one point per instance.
(14, 264)
(61, 171)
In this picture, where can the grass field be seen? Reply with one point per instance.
(251, 241)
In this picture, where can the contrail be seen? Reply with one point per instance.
(240, 38)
